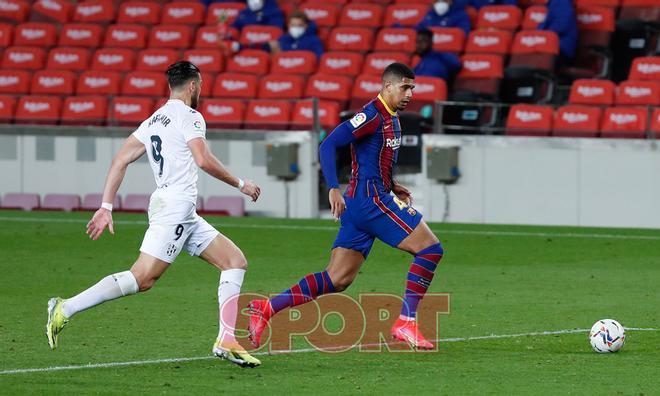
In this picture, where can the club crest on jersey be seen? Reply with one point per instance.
(412, 211)
(393, 143)
(358, 119)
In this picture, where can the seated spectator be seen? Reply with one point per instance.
(447, 13)
(301, 36)
(477, 4)
(260, 12)
(561, 20)
(433, 63)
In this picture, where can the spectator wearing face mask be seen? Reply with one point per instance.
(477, 4)
(561, 20)
(447, 13)
(301, 36)
(260, 12)
(434, 63)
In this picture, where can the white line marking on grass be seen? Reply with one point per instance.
(303, 350)
(334, 229)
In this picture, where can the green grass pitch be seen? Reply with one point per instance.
(502, 279)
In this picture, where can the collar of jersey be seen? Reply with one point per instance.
(386, 106)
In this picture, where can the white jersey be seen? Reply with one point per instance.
(165, 135)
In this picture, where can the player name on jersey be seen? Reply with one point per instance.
(162, 118)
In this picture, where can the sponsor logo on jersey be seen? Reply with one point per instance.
(394, 144)
(358, 119)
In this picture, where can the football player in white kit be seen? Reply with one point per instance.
(174, 140)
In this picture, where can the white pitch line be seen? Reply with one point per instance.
(303, 350)
(332, 228)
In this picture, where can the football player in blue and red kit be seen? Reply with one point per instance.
(373, 206)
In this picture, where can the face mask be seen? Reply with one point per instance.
(296, 31)
(441, 8)
(255, 5)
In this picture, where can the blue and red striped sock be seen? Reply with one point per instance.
(309, 287)
(420, 276)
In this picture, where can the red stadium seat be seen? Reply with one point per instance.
(330, 87)
(170, 36)
(37, 34)
(6, 35)
(396, 39)
(28, 58)
(126, 36)
(59, 11)
(529, 120)
(99, 83)
(86, 35)
(65, 202)
(365, 88)
(53, 82)
(448, 39)
(480, 74)
(624, 122)
(655, 122)
(136, 203)
(427, 91)
(235, 85)
(207, 37)
(645, 68)
(504, 17)
(323, 14)
(577, 121)
(405, 14)
(114, 59)
(249, 61)
(603, 3)
(143, 83)
(187, 13)
(228, 206)
(278, 86)
(230, 10)
(14, 11)
(534, 16)
(85, 110)
(208, 80)
(488, 42)
(259, 34)
(38, 110)
(92, 202)
(21, 201)
(350, 39)
(268, 114)
(129, 111)
(209, 61)
(15, 81)
(645, 10)
(73, 58)
(7, 108)
(376, 62)
(645, 93)
(294, 62)
(592, 92)
(303, 115)
(95, 11)
(156, 60)
(145, 12)
(344, 63)
(536, 49)
(596, 25)
(361, 15)
(223, 113)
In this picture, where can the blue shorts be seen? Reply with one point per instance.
(375, 215)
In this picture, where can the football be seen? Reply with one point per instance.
(607, 335)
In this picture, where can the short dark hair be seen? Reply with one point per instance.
(299, 15)
(425, 32)
(179, 73)
(398, 70)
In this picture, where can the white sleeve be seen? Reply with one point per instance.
(141, 136)
(194, 126)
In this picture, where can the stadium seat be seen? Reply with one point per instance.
(645, 93)
(350, 39)
(323, 14)
(65, 202)
(57, 11)
(595, 25)
(156, 60)
(496, 42)
(376, 62)
(340, 62)
(144, 12)
(208, 79)
(645, 68)
(529, 120)
(361, 15)
(37, 34)
(126, 36)
(577, 121)
(7, 108)
(135, 203)
(38, 110)
(84, 110)
(408, 15)
(92, 202)
(114, 59)
(24, 201)
(281, 86)
(250, 61)
(232, 206)
(643, 10)
(655, 122)
(53, 82)
(144, 83)
(14, 11)
(448, 39)
(96, 82)
(396, 39)
(294, 62)
(28, 58)
(15, 81)
(186, 13)
(95, 11)
(73, 58)
(207, 37)
(602, 3)
(502, 17)
(365, 88)
(592, 92)
(6, 35)
(535, 49)
(480, 75)
(259, 34)
(534, 16)
(128, 111)
(268, 114)
(329, 87)
(170, 36)
(209, 61)
(624, 122)
(235, 85)
(86, 35)
(303, 115)
(230, 10)
(428, 90)
(223, 113)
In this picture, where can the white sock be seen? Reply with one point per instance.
(228, 291)
(112, 286)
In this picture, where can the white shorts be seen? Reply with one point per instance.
(173, 225)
